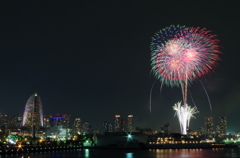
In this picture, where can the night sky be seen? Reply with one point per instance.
(91, 59)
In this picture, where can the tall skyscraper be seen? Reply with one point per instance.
(105, 126)
(110, 127)
(77, 126)
(47, 121)
(117, 123)
(130, 123)
(122, 125)
(33, 114)
(209, 125)
(223, 125)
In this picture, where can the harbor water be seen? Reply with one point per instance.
(136, 153)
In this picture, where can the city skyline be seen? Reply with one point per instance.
(117, 124)
(92, 60)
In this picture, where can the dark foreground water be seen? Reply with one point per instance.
(135, 153)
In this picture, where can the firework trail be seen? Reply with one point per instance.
(179, 55)
(207, 96)
(150, 101)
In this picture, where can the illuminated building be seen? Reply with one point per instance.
(122, 125)
(209, 126)
(8, 120)
(201, 131)
(33, 114)
(17, 120)
(86, 128)
(110, 127)
(47, 121)
(221, 128)
(57, 121)
(60, 120)
(58, 133)
(105, 126)
(77, 126)
(223, 124)
(130, 123)
(5, 120)
(117, 123)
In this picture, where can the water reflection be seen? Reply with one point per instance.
(200, 153)
(151, 153)
(129, 155)
(86, 151)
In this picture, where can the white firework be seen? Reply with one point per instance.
(184, 114)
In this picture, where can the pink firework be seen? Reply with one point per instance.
(190, 54)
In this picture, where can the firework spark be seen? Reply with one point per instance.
(184, 114)
(180, 55)
(189, 54)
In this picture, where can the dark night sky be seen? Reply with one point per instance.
(91, 59)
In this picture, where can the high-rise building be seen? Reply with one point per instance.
(33, 114)
(209, 125)
(47, 121)
(110, 127)
(60, 120)
(105, 126)
(86, 128)
(117, 123)
(77, 126)
(122, 125)
(130, 123)
(223, 125)
(5, 120)
(17, 120)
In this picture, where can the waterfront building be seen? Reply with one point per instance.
(122, 125)
(117, 123)
(17, 120)
(209, 126)
(47, 121)
(58, 133)
(130, 123)
(33, 114)
(221, 128)
(60, 120)
(110, 127)
(86, 128)
(105, 126)
(77, 126)
(201, 131)
(5, 120)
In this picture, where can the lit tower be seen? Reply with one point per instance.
(223, 125)
(33, 114)
(77, 126)
(110, 127)
(130, 123)
(47, 121)
(209, 125)
(117, 123)
(105, 126)
(122, 125)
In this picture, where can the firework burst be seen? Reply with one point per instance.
(186, 55)
(179, 55)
